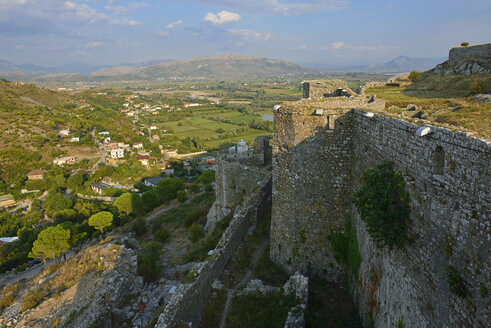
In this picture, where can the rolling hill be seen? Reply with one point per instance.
(228, 66)
(220, 67)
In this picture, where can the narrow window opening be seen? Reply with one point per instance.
(438, 161)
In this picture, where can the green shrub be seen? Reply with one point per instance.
(260, 310)
(196, 232)
(383, 204)
(200, 251)
(197, 214)
(156, 223)
(414, 76)
(149, 261)
(162, 235)
(345, 248)
(464, 44)
(139, 226)
(6, 300)
(476, 88)
(33, 298)
(456, 283)
(182, 196)
(400, 323)
(208, 187)
(194, 188)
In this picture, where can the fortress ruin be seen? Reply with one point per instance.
(321, 149)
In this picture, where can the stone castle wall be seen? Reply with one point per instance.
(236, 176)
(189, 300)
(316, 169)
(307, 195)
(450, 222)
(317, 89)
(462, 53)
(467, 61)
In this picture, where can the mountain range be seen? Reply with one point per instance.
(227, 66)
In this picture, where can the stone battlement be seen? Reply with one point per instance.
(325, 88)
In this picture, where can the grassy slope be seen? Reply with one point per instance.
(444, 100)
(454, 86)
(29, 114)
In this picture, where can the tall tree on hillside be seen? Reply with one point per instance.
(101, 220)
(51, 242)
(125, 203)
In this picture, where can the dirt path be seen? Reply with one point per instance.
(245, 279)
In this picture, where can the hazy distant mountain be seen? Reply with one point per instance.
(223, 66)
(405, 64)
(396, 65)
(228, 66)
(81, 68)
(9, 67)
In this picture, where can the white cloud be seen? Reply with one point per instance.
(118, 10)
(222, 17)
(91, 15)
(249, 36)
(279, 7)
(94, 44)
(13, 2)
(300, 47)
(175, 24)
(78, 53)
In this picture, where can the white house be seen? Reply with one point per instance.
(117, 153)
(138, 145)
(152, 182)
(153, 127)
(144, 159)
(104, 133)
(75, 139)
(64, 133)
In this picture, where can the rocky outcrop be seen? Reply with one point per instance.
(485, 98)
(98, 287)
(466, 61)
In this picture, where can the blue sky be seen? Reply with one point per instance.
(328, 32)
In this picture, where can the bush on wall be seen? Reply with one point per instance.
(383, 204)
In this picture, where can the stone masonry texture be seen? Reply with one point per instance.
(318, 163)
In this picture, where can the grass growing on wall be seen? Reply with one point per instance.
(456, 283)
(383, 204)
(345, 247)
(261, 311)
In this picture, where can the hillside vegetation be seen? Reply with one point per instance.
(442, 100)
(224, 66)
(453, 86)
(31, 119)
